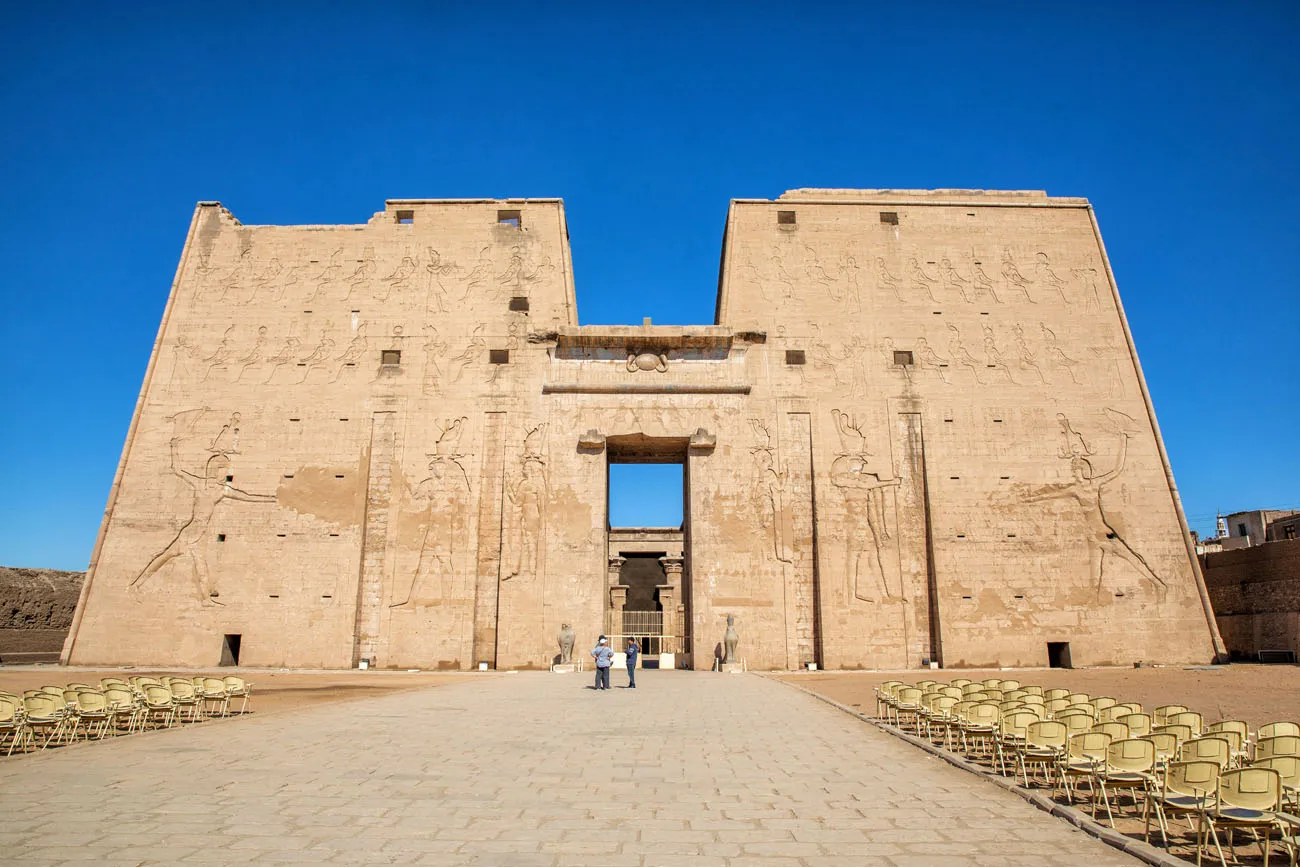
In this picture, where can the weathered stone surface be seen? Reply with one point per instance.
(917, 430)
(36, 608)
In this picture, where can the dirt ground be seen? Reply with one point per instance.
(1258, 694)
(272, 690)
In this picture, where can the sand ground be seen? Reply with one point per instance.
(272, 690)
(1258, 694)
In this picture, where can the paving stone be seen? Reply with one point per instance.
(702, 769)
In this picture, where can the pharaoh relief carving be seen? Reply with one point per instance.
(871, 565)
(770, 492)
(353, 353)
(527, 497)
(329, 278)
(399, 280)
(199, 454)
(1100, 516)
(434, 349)
(442, 499)
(359, 280)
(472, 354)
(442, 273)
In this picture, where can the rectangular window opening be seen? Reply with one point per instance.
(390, 357)
(498, 356)
(889, 217)
(795, 356)
(512, 219)
(229, 479)
(519, 304)
(221, 537)
(230, 649)
(1058, 654)
(406, 217)
(903, 357)
(785, 218)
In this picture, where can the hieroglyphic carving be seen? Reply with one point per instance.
(442, 498)
(441, 271)
(528, 497)
(1025, 358)
(434, 347)
(958, 354)
(400, 280)
(481, 275)
(919, 279)
(1087, 487)
(288, 355)
(328, 278)
(223, 356)
(952, 280)
(844, 364)
(1045, 276)
(353, 352)
(993, 356)
(1088, 278)
(320, 354)
(1053, 352)
(927, 358)
(265, 280)
(769, 490)
(983, 283)
(852, 292)
(471, 354)
(888, 279)
(871, 571)
(185, 358)
(362, 274)
(208, 487)
(1015, 281)
(254, 356)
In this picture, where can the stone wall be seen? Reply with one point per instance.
(36, 609)
(1256, 596)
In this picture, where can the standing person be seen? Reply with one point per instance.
(604, 657)
(632, 652)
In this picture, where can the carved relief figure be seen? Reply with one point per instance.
(1025, 359)
(481, 276)
(353, 353)
(265, 279)
(845, 365)
(983, 282)
(514, 271)
(185, 357)
(400, 279)
(959, 355)
(472, 354)
(224, 354)
(363, 273)
(254, 356)
(330, 277)
(441, 498)
(993, 356)
(888, 279)
(206, 480)
(848, 266)
(1054, 353)
(434, 347)
(319, 355)
(871, 571)
(1016, 281)
(920, 279)
(926, 357)
(952, 280)
(1045, 276)
(769, 491)
(1088, 278)
(1087, 489)
(287, 355)
(441, 272)
(527, 498)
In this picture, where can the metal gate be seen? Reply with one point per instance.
(647, 627)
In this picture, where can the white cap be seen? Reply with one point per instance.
(603, 640)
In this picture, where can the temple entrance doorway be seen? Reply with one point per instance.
(648, 578)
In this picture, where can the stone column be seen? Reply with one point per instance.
(614, 579)
(670, 595)
(617, 599)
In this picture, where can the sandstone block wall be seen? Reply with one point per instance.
(36, 609)
(1256, 595)
(916, 430)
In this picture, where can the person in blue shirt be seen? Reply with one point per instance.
(632, 652)
(604, 657)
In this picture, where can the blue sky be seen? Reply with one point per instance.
(1178, 120)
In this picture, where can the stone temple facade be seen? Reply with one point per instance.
(917, 431)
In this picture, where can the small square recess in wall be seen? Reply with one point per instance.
(795, 356)
(498, 356)
(390, 357)
(889, 218)
(903, 357)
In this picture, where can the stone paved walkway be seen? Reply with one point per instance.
(532, 769)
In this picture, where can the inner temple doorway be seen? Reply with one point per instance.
(649, 593)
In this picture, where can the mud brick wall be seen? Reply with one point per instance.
(36, 607)
(1256, 597)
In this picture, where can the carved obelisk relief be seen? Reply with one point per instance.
(374, 543)
(802, 614)
(488, 559)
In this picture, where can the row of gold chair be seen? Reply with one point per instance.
(57, 715)
(1236, 779)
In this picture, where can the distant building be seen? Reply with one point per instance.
(1247, 529)
(1256, 596)
(1281, 529)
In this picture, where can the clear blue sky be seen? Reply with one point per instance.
(1178, 120)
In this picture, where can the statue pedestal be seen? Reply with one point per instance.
(732, 668)
(562, 669)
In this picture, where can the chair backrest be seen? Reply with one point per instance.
(1279, 745)
(980, 696)
(1274, 729)
(1112, 713)
(959, 682)
(1131, 755)
(884, 688)
(994, 694)
(1079, 698)
(1047, 733)
(1230, 725)
(1161, 714)
(1033, 690)
(908, 695)
(1016, 723)
(943, 705)
(90, 701)
(1117, 730)
(157, 694)
(953, 691)
(1033, 698)
(56, 696)
(1252, 788)
(1007, 706)
(924, 685)
(1183, 733)
(1287, 766)
(214, 685)
(40, 706)
(1139, 724)
(8, 709)
(1166, 744)
(1189, 718)
(1195, 777)
(1089, 745)
(235, 683)
(972, 687)
(1056, 692)
(119, 698)
(107, 682)
(1102, 702)
(1076, 722)
(992, 683)
(1056, 705)
(1211, 749)
(961, 709)
(1012, 694)
(984, 714)
(70, 696)
(181, 689)
(1008, 685)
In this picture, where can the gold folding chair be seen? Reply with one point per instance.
(1127, 768)
(1248, 800)
(1083, 754)
(1045, 742)
(1278, 745)
(1160, 716)
(1210, 749)
(1185, 789)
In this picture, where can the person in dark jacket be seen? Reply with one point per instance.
(632, 653)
